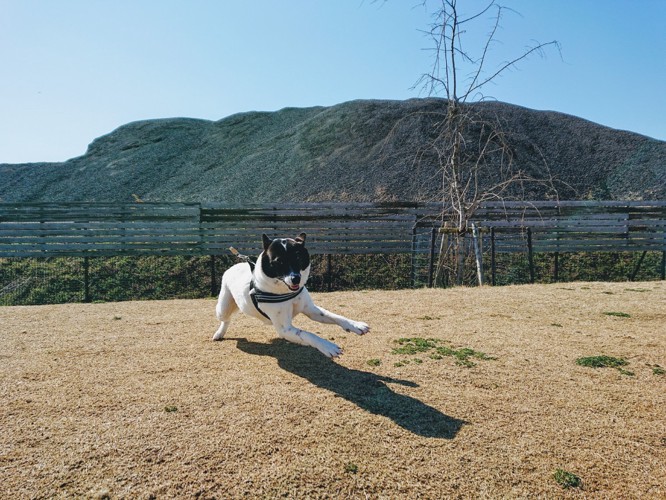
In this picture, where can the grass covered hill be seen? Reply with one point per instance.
(354, 151)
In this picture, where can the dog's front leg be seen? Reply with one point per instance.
(289, 332)
(321, 315)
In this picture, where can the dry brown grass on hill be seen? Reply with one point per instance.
(133, 399)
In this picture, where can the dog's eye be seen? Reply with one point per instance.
(303, 260)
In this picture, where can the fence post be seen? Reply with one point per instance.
(329, 277)
(86, 279)
(413, 264)
(477, 254)
(530, 253)
(638, 266)
(492, 255)
(461, 250)
(433, 238)
(213, 277)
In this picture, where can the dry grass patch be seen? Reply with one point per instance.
(134, 400)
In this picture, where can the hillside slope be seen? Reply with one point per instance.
(354, 151)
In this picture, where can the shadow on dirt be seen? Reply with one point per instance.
(365, 389)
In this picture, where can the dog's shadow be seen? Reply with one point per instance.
(365, 389)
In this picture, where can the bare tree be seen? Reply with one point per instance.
(473, 152)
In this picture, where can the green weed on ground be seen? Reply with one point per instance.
(657, 370)
(410, 346)
(413, 345)
(617, 314)
(605, 362)
(567, 479)
(351, 468)
(601, 362)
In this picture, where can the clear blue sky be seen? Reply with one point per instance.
(72, 70)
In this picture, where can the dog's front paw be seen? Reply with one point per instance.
(330, 350)
(358, 327)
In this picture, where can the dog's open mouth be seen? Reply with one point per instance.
(293, 288)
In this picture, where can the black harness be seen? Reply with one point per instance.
(259, 296)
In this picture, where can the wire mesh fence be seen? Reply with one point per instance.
(56, 280)
(506, 259)
(28, 281)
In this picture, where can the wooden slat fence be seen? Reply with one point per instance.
(75, 229)
(90, 229)
(87, 229)
(577, 226)
(360, 228)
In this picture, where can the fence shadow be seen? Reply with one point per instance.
(365, 389)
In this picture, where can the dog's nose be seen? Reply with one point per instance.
(296, 279)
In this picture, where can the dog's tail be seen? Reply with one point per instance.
(239, 255)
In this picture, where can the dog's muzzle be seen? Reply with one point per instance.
(293, 281)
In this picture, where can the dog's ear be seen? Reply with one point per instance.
(267, 241)
(300, 238)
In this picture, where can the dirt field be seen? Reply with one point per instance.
(134, 400)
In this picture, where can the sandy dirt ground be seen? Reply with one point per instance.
(133, 400)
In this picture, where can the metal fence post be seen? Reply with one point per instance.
(213, 277)
(86, 279)
(478, 253)
(413, 259)
(530, 253)
(433, 238)
(638, 266)
(493, 265)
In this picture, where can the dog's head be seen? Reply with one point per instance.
(286, 260)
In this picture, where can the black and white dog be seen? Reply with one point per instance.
(273, 290)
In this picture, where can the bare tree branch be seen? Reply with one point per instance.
(513, 62)
(474, 154)
(482, 60)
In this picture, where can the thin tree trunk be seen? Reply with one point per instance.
(478, 254)
(460, 258)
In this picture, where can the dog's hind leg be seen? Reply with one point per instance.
(226, 306)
